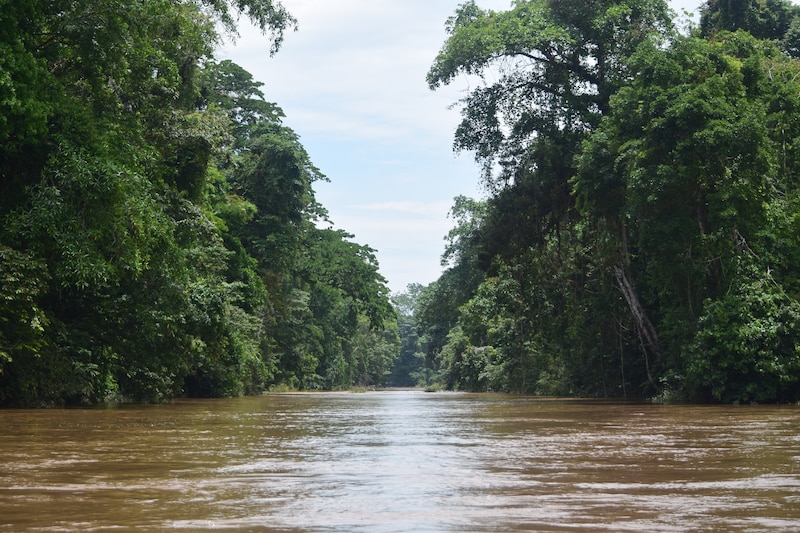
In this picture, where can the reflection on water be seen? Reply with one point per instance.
(401, 462)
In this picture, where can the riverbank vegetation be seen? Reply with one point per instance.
(159, 234)
(641, 232)
(640, 236)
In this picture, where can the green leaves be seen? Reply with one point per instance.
(746, 346)
(769, 19)
(641, 226)
(556, 65)
(270, 16)
(23, 281)
(692, 151)
(158, 222)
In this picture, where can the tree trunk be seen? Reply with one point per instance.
(647, 331)
(643, 324)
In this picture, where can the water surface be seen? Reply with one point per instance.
(401, 462)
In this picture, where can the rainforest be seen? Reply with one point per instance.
(639, 236)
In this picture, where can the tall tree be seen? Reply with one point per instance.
(154, 212)
(694, 152)
(556, 65)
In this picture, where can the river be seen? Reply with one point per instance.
(401, 461)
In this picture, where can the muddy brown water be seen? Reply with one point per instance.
(401, 462)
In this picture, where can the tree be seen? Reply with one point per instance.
(409, 368)
(557, 64)
(154, 212)
(22, 321)
(694, 151)
(375, 352)
(437, 306)
(763, 19)
(269, 16)
(640, 233)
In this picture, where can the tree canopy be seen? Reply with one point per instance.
(640, 235)
(158, 226)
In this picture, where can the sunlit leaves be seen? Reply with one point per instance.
(553, 65)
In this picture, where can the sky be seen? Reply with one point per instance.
(351, 82)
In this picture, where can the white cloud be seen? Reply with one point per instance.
(354, 63)
(431, 209)
(405, 255)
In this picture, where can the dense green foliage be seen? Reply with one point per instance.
(641, 235)
(159, 234)
(410, 369)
